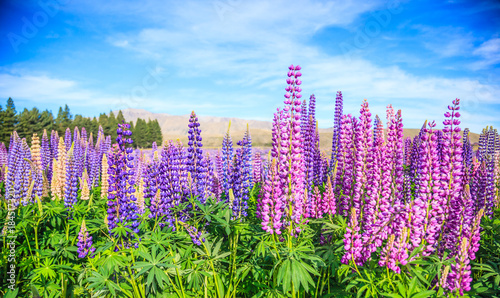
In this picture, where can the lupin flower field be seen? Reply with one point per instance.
(380, 215)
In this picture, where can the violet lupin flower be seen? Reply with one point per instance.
(270, 205)
(12, 162)
(490, 197)
(71, 183)
(227, 159)
(121, 200)
(336, 129)
(217, 182)
(240, 179)
(84, 244)
(307, 130)
(239, 202)
(196, 165)
(67, 139)
(24, 171)
(467, 153)
(45, 154)
(317, 158)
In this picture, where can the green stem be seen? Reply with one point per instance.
(213, 270)
(178, 277)
(132, 279)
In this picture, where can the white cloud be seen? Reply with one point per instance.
(489, 51)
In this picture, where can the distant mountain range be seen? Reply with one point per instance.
(213, 128)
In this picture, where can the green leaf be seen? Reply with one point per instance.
(424, 294)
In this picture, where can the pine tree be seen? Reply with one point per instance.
(46, 122)
(63, 120)
(113, 125)
(140, 133)
(119, 117)
(158, 137)
(9, 121)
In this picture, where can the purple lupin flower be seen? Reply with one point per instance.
(196, 165)
(307, 128)
(317, 159)
(84, 245)
(24, 171)
(227, 159)
(240, 179)
(14, 160)
(71, 184)
(467, 153)
(336, 129)
(45, 154)
(121, 200)
(217, 180)
(67, 139)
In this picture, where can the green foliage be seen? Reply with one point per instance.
(33, 121)
(236, 258)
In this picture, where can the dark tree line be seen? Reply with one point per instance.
(28, 122)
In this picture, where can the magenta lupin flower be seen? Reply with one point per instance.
(363, 142)
(257, 168)
(287, 204)
(459, 278)
(345, 165)
(451, 176)
(352, 241)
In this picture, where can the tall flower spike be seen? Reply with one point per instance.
(196, 165)
(84, 244)
(121, 199)
(104, 177)
(452, 176)
(227, 158)
(336, 128)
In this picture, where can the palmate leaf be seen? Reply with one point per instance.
(46, 270)
(112, 260)
(101, 281)
(153, 265)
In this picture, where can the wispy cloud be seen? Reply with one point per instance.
(229, 58)
(489, 51)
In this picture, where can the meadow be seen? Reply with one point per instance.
(381, 215)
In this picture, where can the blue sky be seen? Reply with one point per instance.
(230, 57)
